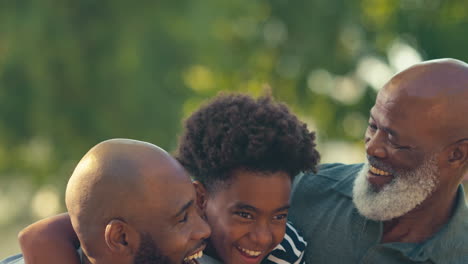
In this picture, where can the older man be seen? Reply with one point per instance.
(122, 205)
(406, 204)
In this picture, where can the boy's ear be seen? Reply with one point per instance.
(121, 238)
(201, 194)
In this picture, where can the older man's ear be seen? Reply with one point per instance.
(458, 156)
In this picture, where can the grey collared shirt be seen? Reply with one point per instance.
(16, 259)
(323, 210)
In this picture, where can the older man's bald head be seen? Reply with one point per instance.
(117, 179)
(438, 89)
(432, 78)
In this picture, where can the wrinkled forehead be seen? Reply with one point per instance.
(414, 93)
(432, 96)
(422, 116)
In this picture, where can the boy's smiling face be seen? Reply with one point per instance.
(248, 215)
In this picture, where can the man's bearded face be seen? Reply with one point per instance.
(148, 253)
(408, 189)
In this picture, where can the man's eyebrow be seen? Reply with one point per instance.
(386, 129)
(184, 208)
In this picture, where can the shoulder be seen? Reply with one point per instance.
(315, 197)
(328, 175)
(334, 170)
(330, 171)
(450, 244)
(290, 250)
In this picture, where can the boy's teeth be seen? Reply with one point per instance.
(251, 252)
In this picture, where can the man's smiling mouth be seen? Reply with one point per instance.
(198, 254)
(378, 172)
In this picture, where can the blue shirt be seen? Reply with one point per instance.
(323, 210)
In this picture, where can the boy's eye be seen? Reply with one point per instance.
(244, 215)
(280, 217)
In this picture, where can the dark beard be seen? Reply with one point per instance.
(148, 253)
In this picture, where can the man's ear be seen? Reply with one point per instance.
(201, 194)
(121, 238)
(458, 155)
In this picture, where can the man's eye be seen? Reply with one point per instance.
(244, 215)
(184, 219)
(396, 146)
(372, 126)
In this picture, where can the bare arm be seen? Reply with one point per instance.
(50, 241)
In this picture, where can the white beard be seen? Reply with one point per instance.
(406, 191)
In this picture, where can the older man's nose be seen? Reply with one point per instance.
(375, 145)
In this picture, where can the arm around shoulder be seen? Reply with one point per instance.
(51, 240)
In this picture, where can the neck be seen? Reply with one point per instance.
(422, 222)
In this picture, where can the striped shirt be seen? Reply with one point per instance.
(290, 250)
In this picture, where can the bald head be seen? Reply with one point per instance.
(119, 179)
(437, 90)
(432, 78)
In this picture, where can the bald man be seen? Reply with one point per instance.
(131, 203)
(406, 204)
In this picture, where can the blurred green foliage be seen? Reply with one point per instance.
(73, 73)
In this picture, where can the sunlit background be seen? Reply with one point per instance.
(74, 73)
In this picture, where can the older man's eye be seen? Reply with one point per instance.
(372, 126)
(398, 146)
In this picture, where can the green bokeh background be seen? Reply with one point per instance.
(74, 73)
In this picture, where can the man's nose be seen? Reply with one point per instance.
(201, 229)
(375, 145)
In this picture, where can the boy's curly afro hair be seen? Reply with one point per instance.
(239, 132)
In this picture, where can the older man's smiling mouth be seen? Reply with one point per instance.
(378, 177)
(378, 172)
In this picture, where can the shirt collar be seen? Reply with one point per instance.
(345, 184)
